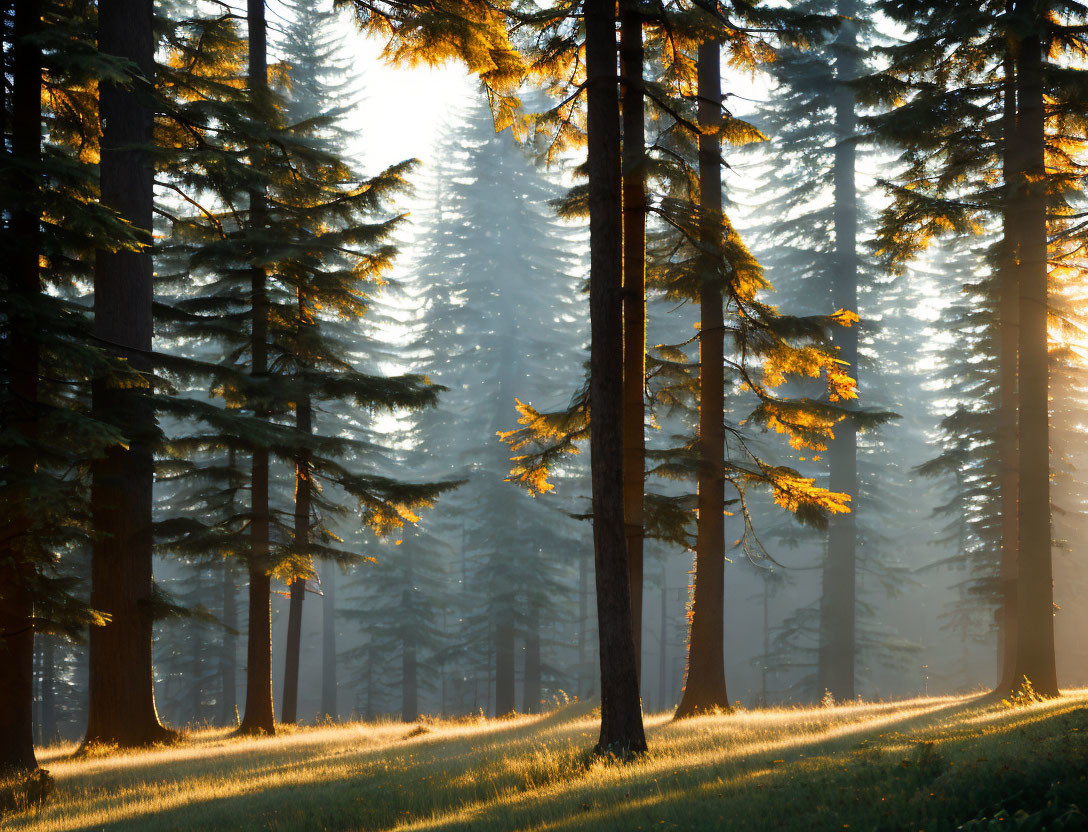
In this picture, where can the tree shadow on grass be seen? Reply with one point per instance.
(712, 772)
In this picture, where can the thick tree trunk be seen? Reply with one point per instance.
(634, 306)
(304, 424)
(704, 688)
(504, 664)
(122, 698)
(838, 600)
(1007, 442)
(259, 714)
(328, 642)
(1035, 598)
(289, 709)
(533, 687)
(16, 571)
(228, 658)
(16, 671)
(621, 708)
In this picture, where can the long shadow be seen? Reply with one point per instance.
(616, 809)
(384, 786)
(395, 756)
(687, 806)
(175, 760)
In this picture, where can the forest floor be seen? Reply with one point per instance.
(924, 764)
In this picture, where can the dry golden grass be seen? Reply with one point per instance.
(921, 764)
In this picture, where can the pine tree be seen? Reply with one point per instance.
(957, 78)
(813, 246)
(838, 639)
(122, 704)
(282, 285)
(700, 257)
(310, 52)
(621, 711)
(634, 172)
(498, 319)
(19, 562)
(554, 434)
(403, 596)
(50, 434)
(704, 687)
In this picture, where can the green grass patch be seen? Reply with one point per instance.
(925, 764)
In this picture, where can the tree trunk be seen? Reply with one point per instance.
(16, 573)
(621, 708)
(289, 708)
(634, 306)
(122, 695)
(228, 658)
(533, 688)
(260, 713)
(328, 643)
(1007, 442)
(409, 705)
(504, 664)
(304, 423)
(838, 601)
(1035, 599)
(704, 689)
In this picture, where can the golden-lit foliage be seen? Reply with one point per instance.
(552, 436)
(432, 32)
(767, 348)
(942, 100)
(794, 492)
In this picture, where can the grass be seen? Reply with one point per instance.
(932, 764)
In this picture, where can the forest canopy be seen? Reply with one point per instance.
(702, 341)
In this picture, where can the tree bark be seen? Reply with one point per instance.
(328, 643)
(704, 688)
(228, 658)
(16, 544)
(621, 709)
(1007, 441)
(838, 602)
(304, 424)
(289, 707)
(260, 713)
(122, 695)
(634, 306)
(1035, 597)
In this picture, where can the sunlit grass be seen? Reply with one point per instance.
(866, 765)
